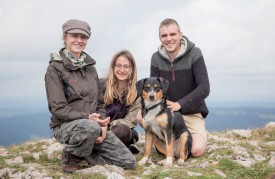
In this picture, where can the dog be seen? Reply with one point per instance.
(164, 128)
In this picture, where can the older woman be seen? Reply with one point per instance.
(76, 103)
(120, 97)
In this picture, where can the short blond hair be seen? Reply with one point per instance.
(167, 22)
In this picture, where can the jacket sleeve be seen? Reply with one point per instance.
(130, 118)
(57, 102)
(101, 105)
(202, 90)
(154, 70)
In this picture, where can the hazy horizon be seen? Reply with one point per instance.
(19, 127)
(39, 102)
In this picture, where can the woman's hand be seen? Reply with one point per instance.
(139, 118)
(101, 138)
(95, 117)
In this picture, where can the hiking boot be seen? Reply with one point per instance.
(69, 162)
(134, 149)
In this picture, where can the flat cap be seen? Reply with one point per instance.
(77, 26)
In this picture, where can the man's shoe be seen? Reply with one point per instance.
(69, 162)
(134, 149)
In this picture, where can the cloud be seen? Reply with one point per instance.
(236, 38)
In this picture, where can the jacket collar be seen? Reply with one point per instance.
(185, 44)
(68, 64)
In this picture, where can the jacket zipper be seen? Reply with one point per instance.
(173, 71)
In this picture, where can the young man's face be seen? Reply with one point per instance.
(170, 38)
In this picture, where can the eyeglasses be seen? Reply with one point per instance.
(119, 67)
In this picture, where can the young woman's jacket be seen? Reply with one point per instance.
(119, 112)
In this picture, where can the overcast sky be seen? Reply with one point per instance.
(237, 39)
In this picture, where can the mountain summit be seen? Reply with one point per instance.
(230, 154)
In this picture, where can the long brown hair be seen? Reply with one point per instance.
(111, 80)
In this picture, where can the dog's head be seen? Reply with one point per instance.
(152, 88)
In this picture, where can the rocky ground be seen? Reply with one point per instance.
(229, 154)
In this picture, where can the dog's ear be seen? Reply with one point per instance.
(139, 86)
(164, 84)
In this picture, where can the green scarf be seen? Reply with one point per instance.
(76, 62)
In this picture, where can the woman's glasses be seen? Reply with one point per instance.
(119, 67)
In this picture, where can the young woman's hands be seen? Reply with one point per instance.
(139, 118)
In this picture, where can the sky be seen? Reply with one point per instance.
(237, 39)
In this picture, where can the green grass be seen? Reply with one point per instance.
(233, 170)
(18, 167)
(2, 162)
(264, 134)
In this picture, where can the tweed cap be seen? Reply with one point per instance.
(77, 26)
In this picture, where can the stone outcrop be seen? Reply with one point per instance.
(33, 159)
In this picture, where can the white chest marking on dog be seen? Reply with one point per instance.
(150, 121)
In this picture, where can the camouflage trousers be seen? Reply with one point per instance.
(79, 138)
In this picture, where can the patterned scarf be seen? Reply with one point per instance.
(76, 62)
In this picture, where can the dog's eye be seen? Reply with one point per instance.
(147, 87)
(156, 86)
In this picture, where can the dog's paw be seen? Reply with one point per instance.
(181, 162)
(168, 162)
(162, 162)
(142, 161)
(168, 165)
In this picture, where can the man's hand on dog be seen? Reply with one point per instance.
(173, 106)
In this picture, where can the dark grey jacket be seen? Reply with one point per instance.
(187, 76)
(72, 92)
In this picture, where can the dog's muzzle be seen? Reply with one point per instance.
(152, 95)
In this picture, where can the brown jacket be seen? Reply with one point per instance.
(72, 92)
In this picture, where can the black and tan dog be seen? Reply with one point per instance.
(165, 129)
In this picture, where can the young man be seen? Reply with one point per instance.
(180, 62)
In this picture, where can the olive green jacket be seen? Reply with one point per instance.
(73, 92)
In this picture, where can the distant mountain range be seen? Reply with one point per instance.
(19, 127)
(238, 118)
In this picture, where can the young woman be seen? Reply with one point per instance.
(120, 97)
(76, 103)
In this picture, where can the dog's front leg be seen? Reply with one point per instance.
(149, 138)
(184, 137)
(169, 142)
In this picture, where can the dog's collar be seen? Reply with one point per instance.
(152, 107)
